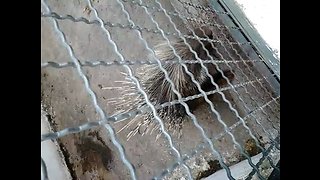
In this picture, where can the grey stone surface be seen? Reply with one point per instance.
(90, 154)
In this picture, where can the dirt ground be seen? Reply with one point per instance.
(91, 154)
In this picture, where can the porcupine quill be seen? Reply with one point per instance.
(159, 89)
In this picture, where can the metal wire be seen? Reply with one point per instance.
(107, 63)
(262, 159)
(124, 26)
(183, 17)
(198, 86)
(277, 64)
(123, 116)
(206, 98)
(238, 95)
(216, 138)
(95, 63)
(214, 11)
(105, 119)
(208, 9)
(245, 63)
(155, 114)
(229, 83)
(238, 55)
(255, 119)
(92, 95)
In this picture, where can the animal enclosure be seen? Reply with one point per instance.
(95, 56)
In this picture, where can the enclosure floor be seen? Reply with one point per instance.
(68, 104)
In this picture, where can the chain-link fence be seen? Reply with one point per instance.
(96, 56)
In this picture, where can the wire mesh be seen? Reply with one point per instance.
(254, 107)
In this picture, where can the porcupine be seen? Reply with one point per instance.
(159, 89)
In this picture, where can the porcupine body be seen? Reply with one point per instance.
(159, 90)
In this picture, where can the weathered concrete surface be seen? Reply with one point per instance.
(50, 152)
(90, 154)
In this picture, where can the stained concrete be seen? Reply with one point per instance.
(90, 154)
